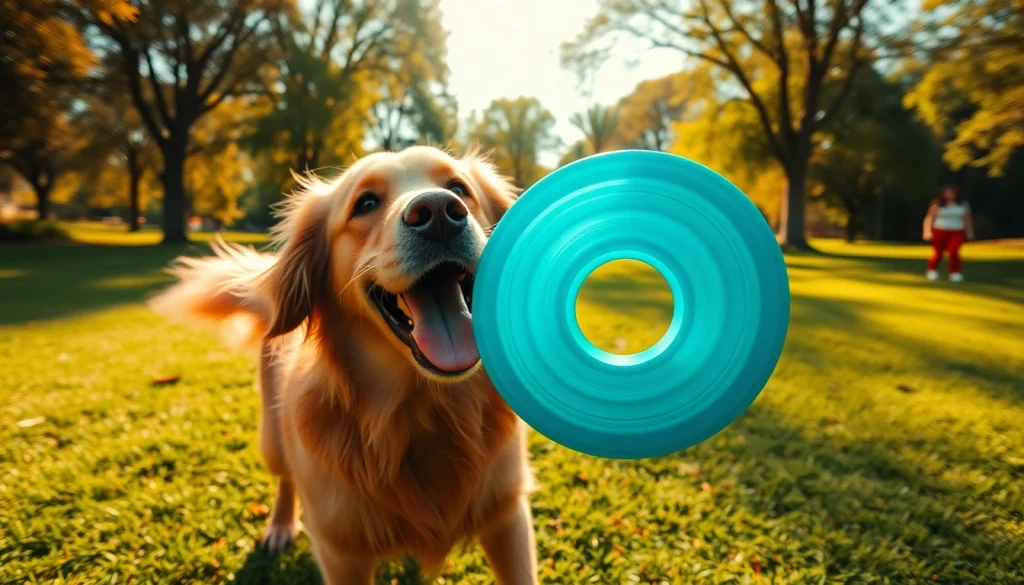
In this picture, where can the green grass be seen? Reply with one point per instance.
(887, 448)
(90, 232)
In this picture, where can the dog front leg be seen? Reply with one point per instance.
(511, 549)
(343, 569)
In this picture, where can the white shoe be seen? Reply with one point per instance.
(932, 275)
(956, 277)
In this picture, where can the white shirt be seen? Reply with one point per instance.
(951, 217)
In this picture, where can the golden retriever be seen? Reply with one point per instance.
(376, 413)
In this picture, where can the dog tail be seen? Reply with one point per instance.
(220, 291)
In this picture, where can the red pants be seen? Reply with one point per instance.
(946, 241)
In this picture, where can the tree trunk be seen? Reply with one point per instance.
(851, 225)
(792, 219)
(133, 201)
(42, 199)
(173, 179)
(134, 178)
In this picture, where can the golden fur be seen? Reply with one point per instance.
(384, 456)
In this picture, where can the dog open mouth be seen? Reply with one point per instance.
(433, 317)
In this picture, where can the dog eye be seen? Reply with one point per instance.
(366, 203)
(458, 188)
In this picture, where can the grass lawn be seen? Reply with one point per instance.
(887, 448)
(90, 232)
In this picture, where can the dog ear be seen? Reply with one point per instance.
(299, 282)
(499, 191)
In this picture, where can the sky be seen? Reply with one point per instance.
(502, 48)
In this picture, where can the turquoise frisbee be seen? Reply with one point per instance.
(729, 287)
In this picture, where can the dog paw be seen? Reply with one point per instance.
(278, 537)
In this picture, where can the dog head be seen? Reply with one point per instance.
(391, 247)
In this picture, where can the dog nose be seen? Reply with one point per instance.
(437, 215)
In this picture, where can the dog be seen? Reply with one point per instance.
(376, 412)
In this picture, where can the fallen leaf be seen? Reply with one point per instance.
(705, 486)
(31, 422)
(166, 380)
(258, 510)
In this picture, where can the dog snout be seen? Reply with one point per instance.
(437, 215)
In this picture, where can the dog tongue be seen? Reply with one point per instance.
(442, 325)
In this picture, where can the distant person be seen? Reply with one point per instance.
(946, 226)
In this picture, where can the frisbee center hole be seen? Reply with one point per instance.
(624, 307)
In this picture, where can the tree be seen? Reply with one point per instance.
(181, 59)
(218, 172)
(599, 125)
(725, 135)
(116, 148)
(517, 131)
(579, 149)
(796, 47)
(873, 149)
(411, 111)
(39, 156)
(43, 60)
(340, 58)
(649, 112)
(42, 56)
(972, 91)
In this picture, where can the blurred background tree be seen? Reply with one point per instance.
(835, 117)
(779, 57)
(600, 127)
(181, 59)
(873, 150)
(43, 61)
(649, 112)
(116, 153)
(972, 91)
(517, 131)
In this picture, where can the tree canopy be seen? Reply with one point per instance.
(778, 57)
(517, 131)
(971, 89)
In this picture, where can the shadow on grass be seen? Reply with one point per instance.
(874, 491)
(42, 281)
(993, 277)
(300, 568)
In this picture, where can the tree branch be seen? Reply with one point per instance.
(727, 7)
(314, 30)
(227, 27)
(762, 111)
(785, 115)
(855, 64)
(131, 56)
(657, 44)
(332, 31)
(351, 62)
(228, 59)
(158, 94)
